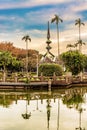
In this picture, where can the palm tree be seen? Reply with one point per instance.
(80, 43)
(70, 46)
(26, 38)
(79, 23)
(57, 19)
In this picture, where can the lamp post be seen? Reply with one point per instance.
(37, 63)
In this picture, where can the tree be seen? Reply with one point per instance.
(80, 43)
(73, 61)
(8, 62)
(79, 23)
(70, 46)
(26, 39)
(57, 19)
(5, 59)
(15, 65)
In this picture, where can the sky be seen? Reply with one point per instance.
(30, 17)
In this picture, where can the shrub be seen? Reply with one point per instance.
(49, 69)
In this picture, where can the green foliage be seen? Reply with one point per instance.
(7, 61)
(85, 62)
(74, 61)
(49, 69)
(73, 100)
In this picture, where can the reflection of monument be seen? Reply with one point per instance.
(48, 57)
(48, 113)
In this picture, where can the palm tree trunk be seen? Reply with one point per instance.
(58, 40)
(79, 39)
(80, 120)
(26, 57)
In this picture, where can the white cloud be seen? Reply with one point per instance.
(40, 18)
(29, 3)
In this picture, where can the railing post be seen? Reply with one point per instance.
(68, 77)
(41, 77)
(16, 77)
(54, 77)
(49, 85)
(4, 76)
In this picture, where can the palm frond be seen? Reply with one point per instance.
(53, 20)
(56, 19)
(26, 38)
(82, 23)
(60, 20)
(69, 45)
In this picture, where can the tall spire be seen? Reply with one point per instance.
(48, 32)
(48, 47)
(48, 56)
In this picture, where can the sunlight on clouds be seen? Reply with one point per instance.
(34, 22)
(29, 3)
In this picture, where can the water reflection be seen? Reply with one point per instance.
(57, 110)
(26, 115)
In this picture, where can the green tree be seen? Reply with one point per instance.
(15, 65)
(8, 62)
(26, 39)
(5, 59)
(79, 23)
(57, 19)
(73, 61)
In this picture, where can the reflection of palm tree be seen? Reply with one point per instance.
(26, 39)
(58, 114)
(80, 112)
(57, 19)
(26, 115)
(79, 23)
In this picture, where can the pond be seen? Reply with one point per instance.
(60, 109)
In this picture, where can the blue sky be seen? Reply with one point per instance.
(21, 17)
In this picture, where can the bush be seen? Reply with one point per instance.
(49, 69)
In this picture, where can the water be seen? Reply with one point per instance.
(61, 109)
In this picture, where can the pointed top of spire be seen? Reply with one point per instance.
(48, 32)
